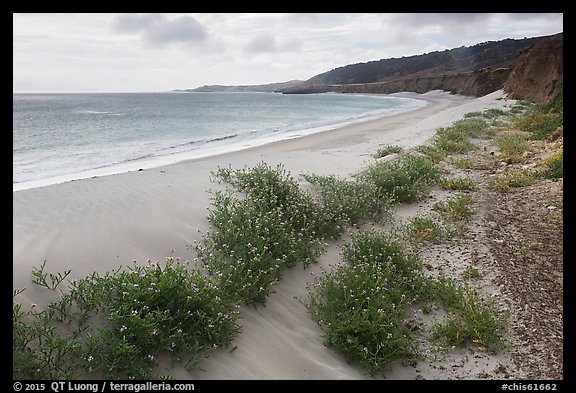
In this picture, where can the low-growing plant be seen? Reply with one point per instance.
(380, 248)
(513, 178)
(251, 244)
(360, 305)
(471, 272)
(471, 127)
(512, 144)
(347, 202)
(359, 322)
(477, 163)
(406, 179)
(493, 113)
(471, 320)
(153, 310)
(519, 107)
(472, 114)
(452, 140)
(553, 166)
(425, 228)
(254, 239)
(542, 119)
(455, 209)
(433, 153)
(527, 246)
(119, 324)
(39, 351)
(458, 183)
(387, 150)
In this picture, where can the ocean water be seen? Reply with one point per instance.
(65, 136)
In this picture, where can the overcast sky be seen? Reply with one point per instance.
(161, 52)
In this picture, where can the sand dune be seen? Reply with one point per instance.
(101, 223)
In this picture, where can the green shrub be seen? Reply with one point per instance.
(120, 323)
(472, 114)
(461, 183)
(406, 179)
(433, 153)
(387, 150)
(424, 228)
(471, 319)
(452, 140)
(493, 113)
(512, 143)
(513, 178)
(542, 119)
(347, 201)
(477, 163)
(553, 166)
(456, 208)
(253, 239)
(472, 127)
(361, 305)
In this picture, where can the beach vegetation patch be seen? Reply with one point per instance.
(362, 304)
(387, 150)
(347, 202)
(491, 113)
(472, 127)
(406, 179)
(426, 228)
(513, 145)
(472, 114)
(256, 236)
(433, 153)
(476, 163)
(119, 324)
(519, 107)
(513, 178)
(452, 140)
(542, 119)
(458, 183)
(494, 113)
(553, 166)
(455, 211)
(471, 318)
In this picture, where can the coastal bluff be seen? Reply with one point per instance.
(539, 72)
(528, 68)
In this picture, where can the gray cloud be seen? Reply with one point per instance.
(267, 43)
(180, 29)
(451, 23)
(158, 30)
(106, 52)
(136, 23)
(262, 43)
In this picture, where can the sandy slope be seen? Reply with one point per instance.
(101, 223)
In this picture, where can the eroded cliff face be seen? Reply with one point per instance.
(526, 69)
(474, 83)
(539, 72)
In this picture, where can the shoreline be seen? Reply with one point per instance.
(101, 223)
(237, 142)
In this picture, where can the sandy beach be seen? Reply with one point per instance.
(101, 223)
